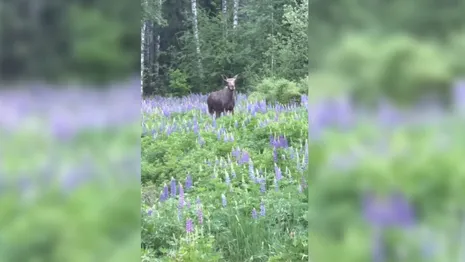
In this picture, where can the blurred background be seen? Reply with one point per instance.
(67, 71)
(69, 41)
(69, 130)
(388, 178)
(385, 96)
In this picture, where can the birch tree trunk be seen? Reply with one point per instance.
(235, 11)
(196, 35)
(272, 34)
(156, 66)
(224, 4)
(142, 56)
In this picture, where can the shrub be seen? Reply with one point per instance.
(178, 83)
(277, 91)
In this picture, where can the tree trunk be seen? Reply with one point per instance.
(224, 4)
(142, 56)
(235, 11)
(196, 35)
(156, 65)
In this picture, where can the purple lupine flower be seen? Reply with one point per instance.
(196, 126)
(165, 194)
(275, 155)
(254, 213)
(188, 204)
(173, 187)
(227, 179)
(283, 142)
(236, 153)
(391, 211)
(214, 122)
(223, 200)
(299, 188)
(149, 212)
(315, 124)
(189, 226)
(262, 185)
(387, 113)
(188, 182)
(277, 172)
(376, 212)
(404, 212)
(200, 215)
(198, 201)
(200, 140)
(262, 209)
(272, 141)
(251, 171)
(459, 95)
(245, 158)
(181, 196)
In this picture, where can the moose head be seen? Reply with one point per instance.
(231, 82)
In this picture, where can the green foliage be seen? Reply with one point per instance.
(81, 41)
(228, 233)
(92, 218)
(399, 67)
(366, 157)
(277, 91)
(178, 83)
(456, 50)
(96, 45)
(289, 50)
(195, 248)
(413, 155)
(323, 85)
(152, 11)
(411, 68)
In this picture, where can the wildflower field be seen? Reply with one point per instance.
(69, 180)
(384, 185)
(226, 189)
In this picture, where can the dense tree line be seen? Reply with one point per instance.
(85, 40)
(188, 44)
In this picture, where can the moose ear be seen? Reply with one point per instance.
(236, 76)
(224, 78)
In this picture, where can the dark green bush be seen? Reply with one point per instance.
(277, 90)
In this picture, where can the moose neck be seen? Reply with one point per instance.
(230, 92)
